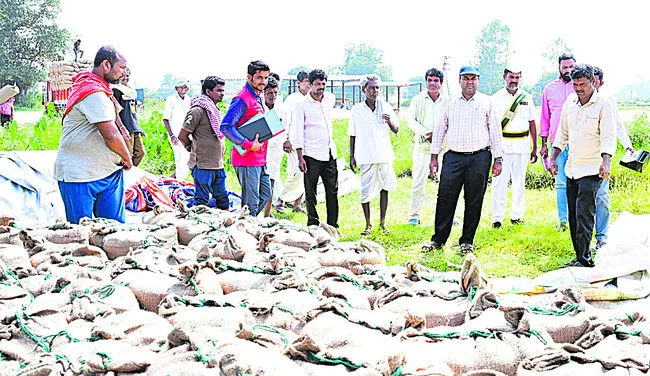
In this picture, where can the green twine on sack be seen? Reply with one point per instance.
(192, 282)
(472, 293)
(285, 309)
(353, 282)
(398, 371)
(39, 341)
(52, 337)
(205, 359)
(630, 317)
(105, 359)
(535, 333)
(635, 333)
(273, 330)
(105, 291)
(569, 308)
(338, 360)
(48, 276)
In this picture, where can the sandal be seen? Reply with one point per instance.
(385, 229)
(432, 245)
(466, 248)
(367, 231)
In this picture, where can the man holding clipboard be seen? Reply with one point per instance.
(250, 165)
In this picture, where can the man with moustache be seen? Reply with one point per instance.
(312, 137)
(553, 98)
(92, 154)
(424, 115)
(251, 166)
(293, 188)
(207, 145)
(369, 128)
(176, 107)
(126, 96)
(470, 126)
(516, 112)
(588, 124)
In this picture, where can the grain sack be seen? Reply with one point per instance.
(196, 321)
(182, 364)
(349, 254)
(285, 280)
(138, 328)
(323, 234)
(64, 233)
(108, 355)
(150, 288)
(268, 312)
(14, 257)
(330, 338)
(232, 281)
(419, 360)
(238, 357)
(247, 225)
(472, 275)
(12, 299)
(202, 279)
(286, 236)
(118, 240)
(44, 284)
(438, 312)
(208, 245)
(10, 235)
(119, 298)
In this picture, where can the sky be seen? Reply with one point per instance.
(196, 38)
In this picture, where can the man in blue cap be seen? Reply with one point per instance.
(471, 128)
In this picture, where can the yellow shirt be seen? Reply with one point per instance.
(590, 130)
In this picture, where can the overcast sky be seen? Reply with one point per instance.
(196, 38)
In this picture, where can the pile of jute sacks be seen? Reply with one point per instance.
(207, 292)
(61, 72)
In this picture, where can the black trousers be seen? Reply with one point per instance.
(461, 172)
(330, 175)
(581, 199)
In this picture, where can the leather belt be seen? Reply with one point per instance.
(487, 148)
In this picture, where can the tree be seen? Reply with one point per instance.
(492, 48)
(365, 59)
(554, 50)
(294, 71)
(537, 89)
(30, 38)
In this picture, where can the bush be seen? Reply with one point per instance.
(639, 131)
(44, 135)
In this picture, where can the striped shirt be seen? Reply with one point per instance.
(468, 126)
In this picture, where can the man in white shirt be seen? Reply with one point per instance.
(311, 136)
(176, 107)
(371, 122)
(293, 188)
(602, 198)
(516, 110)
(424, 114)
(588, 124)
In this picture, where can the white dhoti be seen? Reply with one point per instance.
(294, 186)
(274, 155)
(181, 159)
(419, 173)
(376, 177)
(514, 167)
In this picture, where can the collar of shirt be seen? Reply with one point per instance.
(591, 101)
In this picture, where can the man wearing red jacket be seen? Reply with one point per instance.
(251, 166)
(92, 154)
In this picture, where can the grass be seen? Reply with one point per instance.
(526, 250)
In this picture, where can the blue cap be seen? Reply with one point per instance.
(469, 69)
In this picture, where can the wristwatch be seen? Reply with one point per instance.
(499, 159)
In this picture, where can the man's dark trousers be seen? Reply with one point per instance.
(461, 171)
(581, 197)
(330, 175)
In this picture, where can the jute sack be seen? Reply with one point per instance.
(150, 288)
(293, 238)
(12, 299)
(64, 233)
(419, 360)
(268, 312)
(202, 279)
(238, 357)
(347, 255)
(182, 364)
(438, 312)
(118, 240)
(330, 337)
(44, 284)
(119, 298)
(209, 244)
(10, 235)
(14, 257)
(138, 328)
(232, 281)
(197, 321)
(109, 355)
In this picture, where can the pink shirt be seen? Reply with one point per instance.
(7, 108)
(553, 98)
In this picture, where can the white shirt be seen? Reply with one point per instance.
(590, 130)
(175, 111)
(424, 115)
(520, 123)
(371, 133)
(290, 106)
(312, 131)
(279, 109)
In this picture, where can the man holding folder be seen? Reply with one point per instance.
(251, 165)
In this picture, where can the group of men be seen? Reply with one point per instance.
(481, 134)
